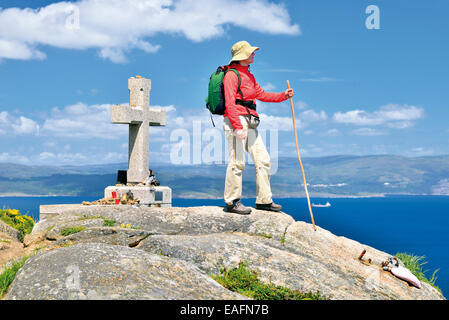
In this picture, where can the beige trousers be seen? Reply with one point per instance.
(255, 147)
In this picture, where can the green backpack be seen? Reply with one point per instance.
(215, 100)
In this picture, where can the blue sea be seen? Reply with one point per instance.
(416, 225)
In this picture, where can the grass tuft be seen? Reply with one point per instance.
(415, 265)
(245, 281)
(68, 231)
(108, 223)
(8, 275)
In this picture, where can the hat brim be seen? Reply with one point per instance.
(243, 56)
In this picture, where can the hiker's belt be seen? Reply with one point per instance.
(246, 103)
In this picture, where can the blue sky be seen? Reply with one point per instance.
(357, 90)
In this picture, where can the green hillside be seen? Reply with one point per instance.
(326, 176)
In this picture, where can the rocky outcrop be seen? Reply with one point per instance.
(9, 231)
(102, 271)
(171, 253)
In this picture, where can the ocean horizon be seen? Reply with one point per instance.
(417, 225)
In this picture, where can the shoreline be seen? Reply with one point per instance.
(24, 195)
(330, 196)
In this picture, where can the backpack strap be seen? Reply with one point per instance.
(211, 118)
(240, 81)
(238, 101)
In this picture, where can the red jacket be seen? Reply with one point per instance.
(251, 91)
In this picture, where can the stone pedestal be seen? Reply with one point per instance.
(151, 196)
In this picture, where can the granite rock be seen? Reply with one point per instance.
(100, 271)
(198, 242)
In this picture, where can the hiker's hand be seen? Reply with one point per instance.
(241, 134)
(289, 93)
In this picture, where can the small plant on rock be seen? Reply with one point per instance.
(415, 265)
(245, 281)
(68, 231)
(8, 275)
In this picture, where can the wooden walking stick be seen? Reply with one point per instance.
(299, 158)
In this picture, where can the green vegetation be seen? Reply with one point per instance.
(66, 243)
(24, 224)
(8, 275)
(161, 253)
(415, 265)
(283, 239)
(106, 222)
(68, 231)
(245, 281)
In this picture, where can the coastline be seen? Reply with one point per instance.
(331, 196)
(11, 195)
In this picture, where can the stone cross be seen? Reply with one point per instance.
(139, 116)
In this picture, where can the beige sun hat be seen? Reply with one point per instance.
(242, 50)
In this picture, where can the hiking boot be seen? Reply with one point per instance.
(269, 207)
(237, 207)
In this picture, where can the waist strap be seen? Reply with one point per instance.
(246, 103)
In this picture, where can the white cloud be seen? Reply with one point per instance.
(115, 27)
(116, 157)
(268, 122)
(78, 158)
(269, 86)
(331, 133)
(19, 126)
(13, 158)
(420, 151)
(46, 155)
(287, 70)
(49, 144)
(190, 118)
(400, 124)
(170, 108)
(318, 79)
(4, 118)
(25, 126)
(301, 105)
(93, 121)
(400, 112)
(64, 157)
(16, 50)
(313, 116)
(82, 121)
(358, 117)
(116, 55)
(393, 115)
(368, 132)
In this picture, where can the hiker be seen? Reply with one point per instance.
(240, 126)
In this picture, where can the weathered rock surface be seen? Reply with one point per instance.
(10, 248)
(101, 271)
(170, 253)
(9, 231)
